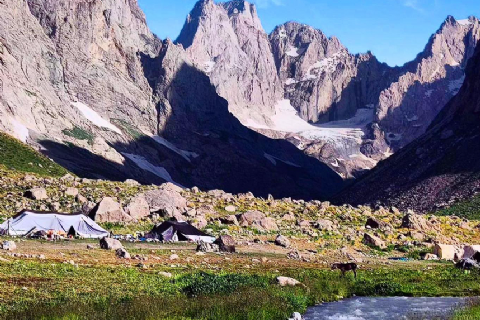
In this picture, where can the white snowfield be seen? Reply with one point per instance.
(187, 155)
(94, 117)
(465, 22)
(144, 164)
(20, 131)
(286, 119)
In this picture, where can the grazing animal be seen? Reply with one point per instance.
(345, 267)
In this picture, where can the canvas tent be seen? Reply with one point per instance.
(72, 224)
(179, 231)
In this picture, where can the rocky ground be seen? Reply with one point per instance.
(308, 230)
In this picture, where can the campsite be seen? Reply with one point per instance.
(151, 275)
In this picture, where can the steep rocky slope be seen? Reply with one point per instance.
(349, 111)
(440, 167)
(227, 41)
(88, 84)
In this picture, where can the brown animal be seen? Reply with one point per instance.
(345, 267)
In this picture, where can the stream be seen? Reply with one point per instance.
(395, 308)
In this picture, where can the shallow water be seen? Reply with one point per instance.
(396, 308)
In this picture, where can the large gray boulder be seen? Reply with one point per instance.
(416, 222)
(108, 210)
(110, 244)
(36, 194)
(122, 253)
(9, 246)
(282, 241)
(166, 201)
(370, 239)
(138, 208)
(250, 218)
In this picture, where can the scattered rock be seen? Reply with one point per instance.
(174, 257)
(372, 240)
(122, 253)
(230, 208)
(229, 220)
(251, 217)
(138, 208)
(199, 222)
(416, 222)
(296, 316)
(110, 244)
(282, 241)
(9, 246)
(287, 282)
(36, 194)
(207, 247)
(430, 257)
(226, 244)
(108, 210)
(166, 201)
(132, 183)
(71, 192)
(324, 225)
(165, 274)
(377, 224)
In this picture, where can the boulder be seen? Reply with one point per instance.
(108, 210)
(231, 209)
(445, 251)
(417, 235)
(287, 282)
(296, 316)
(372, 240)
(250, 218)
(132, 183)
(9, 245)
(324, 225)
(122, 253)
(166, 201)
(165, 274)
(430, 256)
(226, 244)
(199, 222)
(416, 222)
(207, 247)
(110, 244)
(71, 192)
(268, 224)
(377, 224)
(229, 220)
(138, 208)
(282, 241)
(36, 194)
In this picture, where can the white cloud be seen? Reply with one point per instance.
(413, 4)
(268, 3)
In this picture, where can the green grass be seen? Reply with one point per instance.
(105, 292)
(469, 209)
(17, 156)
(471, 312)
(79, 134)
(128, 128)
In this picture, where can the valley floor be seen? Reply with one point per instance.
(65, 280)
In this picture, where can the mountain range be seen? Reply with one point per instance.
(292, 113)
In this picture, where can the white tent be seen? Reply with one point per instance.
(26, 221)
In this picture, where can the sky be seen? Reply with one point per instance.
(394, 30)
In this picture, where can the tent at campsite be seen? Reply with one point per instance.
(29, 222)
(179, 231)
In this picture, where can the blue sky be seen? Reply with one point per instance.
(394, 30)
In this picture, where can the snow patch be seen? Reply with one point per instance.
(292, 52)
(455, 85)
(282, 34)
(20, 131)
(94, 117)
(209, 66)
(143, 163)
(327, 65)
(290, 81)
(187, 155)
(464, 22)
